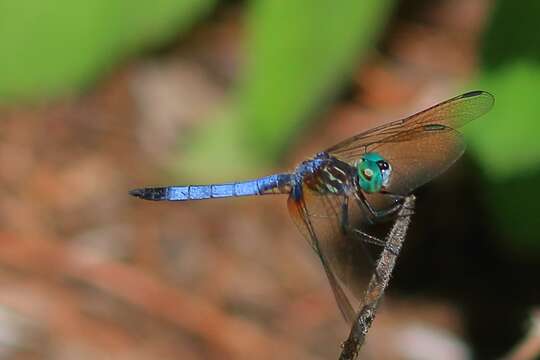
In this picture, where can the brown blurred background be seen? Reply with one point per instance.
(100, 98)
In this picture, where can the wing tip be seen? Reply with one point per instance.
(476, 93)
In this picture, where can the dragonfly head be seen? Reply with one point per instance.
(373, 172)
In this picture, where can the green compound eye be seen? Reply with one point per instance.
(373, 172)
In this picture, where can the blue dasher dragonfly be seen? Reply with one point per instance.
(335, 195)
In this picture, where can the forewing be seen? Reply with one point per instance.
(418, 148)
(417, 156)
(452, 113)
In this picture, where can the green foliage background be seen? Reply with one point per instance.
(50, 48)
(507, 145)
(300, 52)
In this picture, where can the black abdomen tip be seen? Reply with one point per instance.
(150, 193)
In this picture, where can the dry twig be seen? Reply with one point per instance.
(379, 281)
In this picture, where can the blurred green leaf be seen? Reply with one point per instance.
(512, 35)
(506, 143)
(510, 60)
(299, 52)
(52, 47)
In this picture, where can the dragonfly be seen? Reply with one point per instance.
(335, 195)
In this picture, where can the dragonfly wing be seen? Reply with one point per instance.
(452, 113)
(419, 147)
(417, 156)
(455, 112)
(346, 259)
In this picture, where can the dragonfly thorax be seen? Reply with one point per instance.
(327, 175)
(373, 172)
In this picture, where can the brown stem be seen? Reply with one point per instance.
(379, 281)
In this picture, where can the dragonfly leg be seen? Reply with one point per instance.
(370, 239)
(363, 202)
(347, 229)
(360, 235)
(345, 216)
(395, 196)
(401, 198)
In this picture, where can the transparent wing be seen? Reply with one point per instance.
(452, 113)
(418, 148)
(347, 260)
(417, 156)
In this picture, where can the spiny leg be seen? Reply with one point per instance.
(402, 204)
(347, 229)
(364, 203)
(361, 236)
(370, 239)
